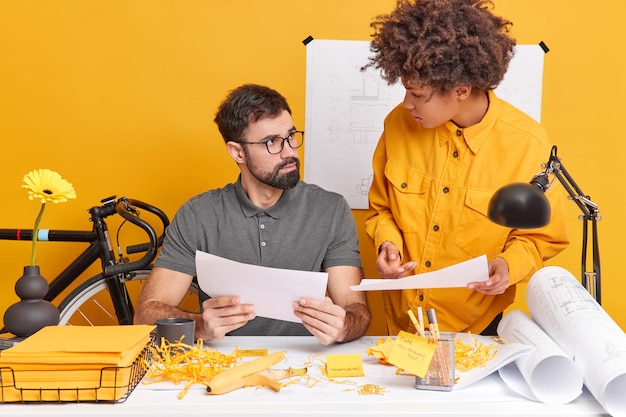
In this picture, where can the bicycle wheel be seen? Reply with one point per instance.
(90, 303)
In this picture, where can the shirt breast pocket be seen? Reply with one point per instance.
(408, 195)
(476, 234)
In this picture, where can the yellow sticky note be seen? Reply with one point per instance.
(252, 352)
(412, 353)
(344, 365)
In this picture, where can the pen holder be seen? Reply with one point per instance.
(440, 373)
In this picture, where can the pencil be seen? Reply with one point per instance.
(420, 319)
(419, 330)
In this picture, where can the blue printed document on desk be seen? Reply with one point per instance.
(458, 275)
(271, 290)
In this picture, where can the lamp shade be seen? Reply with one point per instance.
(519, 205)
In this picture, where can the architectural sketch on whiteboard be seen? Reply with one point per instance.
(346, 108)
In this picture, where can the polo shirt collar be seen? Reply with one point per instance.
(477, 134)
(249, 209)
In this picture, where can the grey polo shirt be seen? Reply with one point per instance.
(308, 229)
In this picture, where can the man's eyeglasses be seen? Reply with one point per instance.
(276, 144)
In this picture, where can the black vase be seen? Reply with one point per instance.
(33, 312)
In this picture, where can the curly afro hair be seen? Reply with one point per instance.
(442, 44)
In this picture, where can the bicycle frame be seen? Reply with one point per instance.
(100, 247)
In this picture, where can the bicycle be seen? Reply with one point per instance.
(109, 297)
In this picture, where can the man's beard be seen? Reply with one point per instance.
(275, 178)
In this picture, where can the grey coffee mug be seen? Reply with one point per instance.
(176, 329)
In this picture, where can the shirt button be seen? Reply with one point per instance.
(436, 228)
(446, 190)
(459, 132)
(427, 263)
(262, 226)
(421, 297)
(264, 244)
(455, 154)
(403, 185)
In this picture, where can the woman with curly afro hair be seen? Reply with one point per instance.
(444, 151)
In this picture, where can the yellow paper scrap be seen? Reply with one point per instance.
(382, 350)
(344, 365)
(412, 353)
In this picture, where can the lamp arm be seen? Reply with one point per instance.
(590, 280)
(584, 203)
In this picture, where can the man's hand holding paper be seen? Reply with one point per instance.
(261, 291)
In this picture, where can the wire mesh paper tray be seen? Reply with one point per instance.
(105, 385)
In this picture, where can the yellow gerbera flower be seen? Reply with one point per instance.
(48, 186)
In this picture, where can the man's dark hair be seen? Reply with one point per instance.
(247, 104)
(442, 44)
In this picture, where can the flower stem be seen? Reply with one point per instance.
(35, 233)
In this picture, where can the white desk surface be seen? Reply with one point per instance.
(488, 397)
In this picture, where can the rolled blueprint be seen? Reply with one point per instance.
(566, 311)
(547, 373)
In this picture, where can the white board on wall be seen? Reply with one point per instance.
(346, 107)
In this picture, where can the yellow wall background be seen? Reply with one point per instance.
(119, 97)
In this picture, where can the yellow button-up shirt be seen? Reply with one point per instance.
(429, 196)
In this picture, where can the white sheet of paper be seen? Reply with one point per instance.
(271, 290)
(454, 276)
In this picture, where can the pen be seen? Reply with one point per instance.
(434, 327)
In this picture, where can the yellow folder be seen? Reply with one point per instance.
(71, 363)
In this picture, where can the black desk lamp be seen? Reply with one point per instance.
(524, 206)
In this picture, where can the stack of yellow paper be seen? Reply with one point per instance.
(72, 363)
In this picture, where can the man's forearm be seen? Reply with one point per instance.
(151, 311)
(356, 322)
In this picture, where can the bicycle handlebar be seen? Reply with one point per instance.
(165, 221)
(126, 208)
